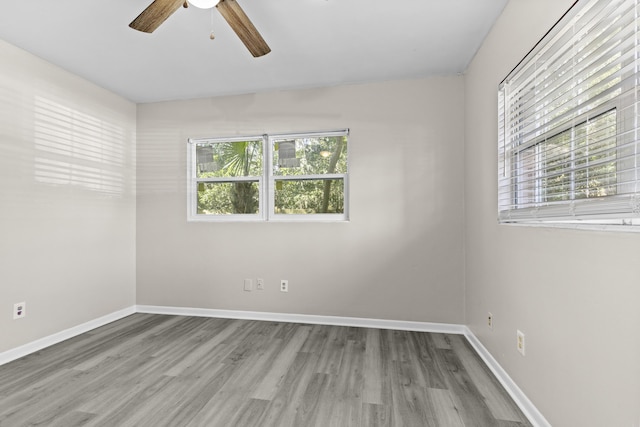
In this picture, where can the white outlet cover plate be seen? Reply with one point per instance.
(19, 310)
(520, 343)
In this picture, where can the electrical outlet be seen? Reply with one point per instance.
(260, 284)
(284, 285)
(19, 310)
(248, 285)
(520, 342)
(490, 320)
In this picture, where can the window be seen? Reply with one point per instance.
(309, 175)
(227, 177)
(271, 177)
(568, 122)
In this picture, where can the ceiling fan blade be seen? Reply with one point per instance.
(240, 23)
(155, 14)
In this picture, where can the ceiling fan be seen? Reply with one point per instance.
(158, 11)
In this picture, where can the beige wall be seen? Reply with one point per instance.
(401, 255)
(575, 294)
(67, 209)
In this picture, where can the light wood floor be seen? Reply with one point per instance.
(153, 370)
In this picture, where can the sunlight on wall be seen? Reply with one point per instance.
(76, 148)
(65, 173)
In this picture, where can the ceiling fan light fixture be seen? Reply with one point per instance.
(159, 10)
(204, 4)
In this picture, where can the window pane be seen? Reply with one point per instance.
(596, 149)
(229, 159)
(313, 196)
(556, 161)
(310, 156)
(578, 163)
(526, 180)
(225, 198)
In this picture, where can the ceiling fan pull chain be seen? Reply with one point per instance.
(212, 36)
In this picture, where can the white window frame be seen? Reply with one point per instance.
(521, 128)
(266, 182)
(193, 181)
(273, 216)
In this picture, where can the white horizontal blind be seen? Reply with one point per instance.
(568, 121)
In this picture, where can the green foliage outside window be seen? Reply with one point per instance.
(317, 156)
(242, 163)
(229, 159)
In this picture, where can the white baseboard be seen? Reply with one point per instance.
(526, 406)
(443, 328)
(32, 347)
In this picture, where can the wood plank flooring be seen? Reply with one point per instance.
(154, 370)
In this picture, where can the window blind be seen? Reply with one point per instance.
(568, 146)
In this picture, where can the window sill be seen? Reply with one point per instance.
(608, 227)
(288, 219)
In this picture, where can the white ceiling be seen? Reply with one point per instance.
(314, 43)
